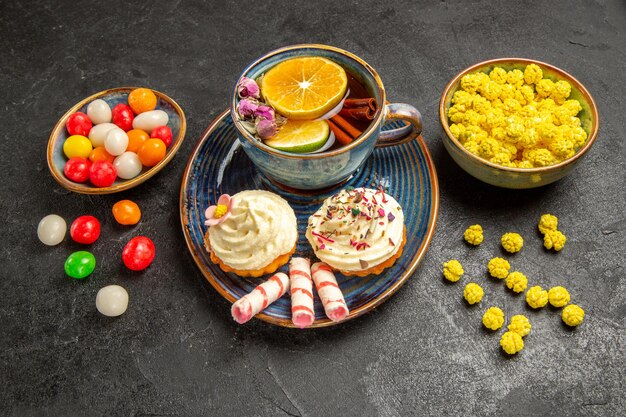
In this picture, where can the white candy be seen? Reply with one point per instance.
(128, 165)
(112, 300)
(99, 111)
(51, 230)
(116, 142)
(150, 120)
(98, 133)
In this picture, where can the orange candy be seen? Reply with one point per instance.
(151, 152)
(136, 138)
(100, 154)
(126, 212)
(142, 100)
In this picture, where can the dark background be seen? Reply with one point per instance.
(176, 351)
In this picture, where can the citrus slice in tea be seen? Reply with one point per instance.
(300, 136)
(304, 88)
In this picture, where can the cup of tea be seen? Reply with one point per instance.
(326, 109)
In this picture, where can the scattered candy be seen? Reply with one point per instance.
(452, 270)
(152, 152)
(150, 120)
(78, 124)
(499, 268)
(112, 300)
(138, 253)
(80, 264)
(116, 142)
(519, 324)
(77, 145)
(511, 343)
(516, 281)
(136, 138)
(547, 222)
(493, 318)
(142, 100)
(51, 230)
(128, 165)
(85, 230)
(99, 111)
(77, 169)
(164, 133)
(102, 173)
(123, 116)
(98, 133)
(473, 293)
(474, 235)
(573, 315)
(558, 296)
(100, 154)
(537, 297)
(126, 212)
(512, 242)
(554, 239)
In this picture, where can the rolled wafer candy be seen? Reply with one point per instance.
(302, 314)
(263, 295)
(329, 292)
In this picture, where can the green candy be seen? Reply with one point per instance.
(80, 264)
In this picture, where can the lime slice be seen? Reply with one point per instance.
(300, 136)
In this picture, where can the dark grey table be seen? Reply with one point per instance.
(176, 351)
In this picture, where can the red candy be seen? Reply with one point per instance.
(78, 124)
(138, 253)
(85, 230)
(123, 116)
(102, 173)
(164, 133)
(77, 169)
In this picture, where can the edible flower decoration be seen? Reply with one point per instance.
(219, 213)
(247, 87)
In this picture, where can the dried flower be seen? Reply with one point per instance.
(265, 128)
(219, 213)
(247, 107)
(247, 87)
(264, 112)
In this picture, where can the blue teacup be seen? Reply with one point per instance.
(325, 169)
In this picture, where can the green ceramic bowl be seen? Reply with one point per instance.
(508, 177)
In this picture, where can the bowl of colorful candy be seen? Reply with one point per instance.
(115, 139)
(517, 123)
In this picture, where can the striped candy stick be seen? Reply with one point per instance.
(263, 295)
(302, 314)
(329, 292)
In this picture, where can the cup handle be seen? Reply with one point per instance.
(400, 135)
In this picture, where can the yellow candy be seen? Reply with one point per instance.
(558, 296)
(474, 234)
(511, 343)
(473, 293)
(77, 145)
(452, 270)
(573, 315)
(516, 281)
(519, 324)
(499, 268)
(553, 239)
(512, 242)
(533, 74)
(537, 297)
(493, 318)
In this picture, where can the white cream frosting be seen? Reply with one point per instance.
(261, 227)
(356, 229)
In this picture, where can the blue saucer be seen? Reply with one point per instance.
(218, 166)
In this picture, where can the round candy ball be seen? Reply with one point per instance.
(77, 145)
(99, 111)
(142, 100)
(112, 300)
(51, 230)
(138, 253)
(102, 173)
(164, 133)
(126, 212)
(98, 133)
(85, 230)
(116, 142)
(152, 152)
(78, 124)
(77, 169)
(128, 165)
(122, 116)
(100, 154)
(80, 264)
(136, 138)
(150, 120)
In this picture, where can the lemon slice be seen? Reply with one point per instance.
(300, 136)
(304, 88)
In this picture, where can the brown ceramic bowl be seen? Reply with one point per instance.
(508, 177)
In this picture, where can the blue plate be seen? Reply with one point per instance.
(218, 166)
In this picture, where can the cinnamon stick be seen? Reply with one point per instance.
(361, 102)
(346, 126)
(341, 136)
(358, 113)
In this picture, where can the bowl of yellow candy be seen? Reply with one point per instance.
(517, 123)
